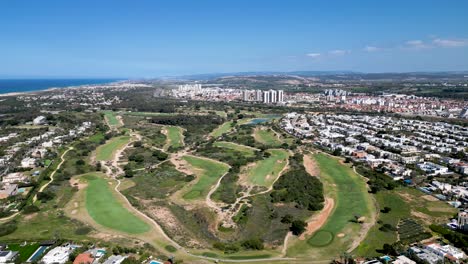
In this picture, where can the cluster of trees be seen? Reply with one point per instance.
(197, 126)
(377, 180)
(248, 244)
(297, 227)
(299, 187)
(459, 240)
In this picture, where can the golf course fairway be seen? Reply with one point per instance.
(104, 207)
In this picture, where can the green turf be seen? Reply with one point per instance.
(265, 172)
(247, 151)
(24, 251)
(210, 173)
(268, 137)
(111, 118)
(400, 208)
(105, 209)
(321, 238)
(349, 192)
(352, 198)
(175, 136)
(149, 114)
(224, 128)
(106, 151)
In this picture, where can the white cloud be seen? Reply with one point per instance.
(371, 48)
(339, 52)
(313, 55)
(450, 43)
(416, 44)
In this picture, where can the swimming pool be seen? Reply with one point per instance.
(155, 262)
(37, 254)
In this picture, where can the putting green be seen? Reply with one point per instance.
(266, 171)
(208, 173)
(321, 238)
(105, 208)
(106, 151)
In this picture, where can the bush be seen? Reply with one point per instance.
(29, 209)
(83, 230)
(45, 196)
(298, 227)
(7, 228)
(253, 244)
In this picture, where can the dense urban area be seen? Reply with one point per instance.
(248, 168)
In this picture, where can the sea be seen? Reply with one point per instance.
(27, 85)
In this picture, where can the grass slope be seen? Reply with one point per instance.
(247, 151)
(404, 203)
(106, 151)
(103, 206)
(111, 118)
(175, 136)
(351, 199)
(208, 173)
(265, 172)
(267, 137)
(224, 128)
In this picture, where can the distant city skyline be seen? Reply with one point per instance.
(146, 39)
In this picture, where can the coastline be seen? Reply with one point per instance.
(12, 94)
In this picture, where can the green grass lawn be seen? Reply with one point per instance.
(175, 136)
(207, 177)
(106, 209)
(351, 198)
(106, 151)
(24, 251)
(111, 118)
(149, 114)
(265, 172)
(247, 151)
(224, 128)
(267, 137)
(402, 201)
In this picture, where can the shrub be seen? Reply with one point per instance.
(298, 227)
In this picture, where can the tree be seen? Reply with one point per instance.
(298, 227)
(80, 162)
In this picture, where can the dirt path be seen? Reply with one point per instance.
(284, 250)
(319, 219)
(311, 166)
(52, 174)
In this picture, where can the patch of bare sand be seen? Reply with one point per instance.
(424, 217)
(319, 219)
(311, 166)
(167, 218)
(75, 182)
(429, 198)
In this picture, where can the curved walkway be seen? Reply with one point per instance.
(52, 174)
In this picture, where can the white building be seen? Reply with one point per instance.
(28, 163)
(403, 260)
(463, 220)
(8, 256)
(57, 255)
(40, 120)
(446, 250)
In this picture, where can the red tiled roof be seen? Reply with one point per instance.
(83, 258)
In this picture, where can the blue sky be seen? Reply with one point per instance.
(149, 38)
